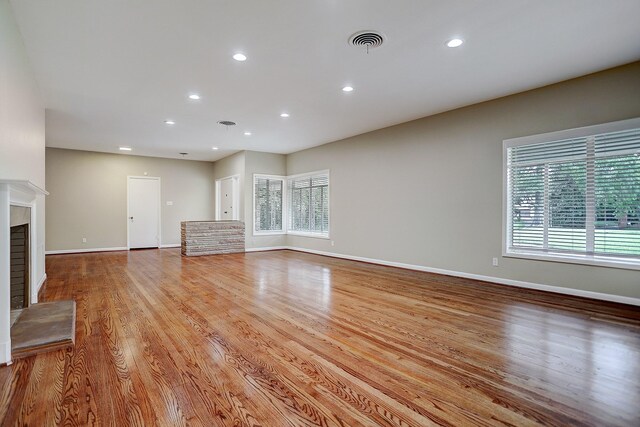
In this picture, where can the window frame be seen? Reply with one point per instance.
(326, 235)
(573, 258)
(283, 179)
(285, 205)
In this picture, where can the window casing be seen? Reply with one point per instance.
(574, 196)
(308, 197)
(296, 204)
(268, 204)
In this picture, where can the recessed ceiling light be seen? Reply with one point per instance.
(284, 115)
(455, 42)
(170, 122)
(347, 89)
(125, 148)
(240, 57)
(247, 133)
(194, 96)
(214, 148)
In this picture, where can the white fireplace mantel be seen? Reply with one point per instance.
(20, 193)
(22, 188)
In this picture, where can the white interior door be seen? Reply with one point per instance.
(227, 198)
(144, 212)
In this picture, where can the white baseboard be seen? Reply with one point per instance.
(77, 251)
(41, 282)
(171, 245)
(5, 352)
(509, 282)
(267, 248)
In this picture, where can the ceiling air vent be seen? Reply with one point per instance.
(366, 39)
(227, 123)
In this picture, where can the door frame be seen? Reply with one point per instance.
(235, 181)
(155, 178)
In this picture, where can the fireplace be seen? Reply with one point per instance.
(19, 263)
(21, 253)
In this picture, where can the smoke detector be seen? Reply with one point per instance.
(367, 39)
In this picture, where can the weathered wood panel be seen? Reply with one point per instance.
(211, 237)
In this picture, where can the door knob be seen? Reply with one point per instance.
(131, 218)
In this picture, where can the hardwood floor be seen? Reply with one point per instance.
(286, 339)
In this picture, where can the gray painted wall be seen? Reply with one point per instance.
(231, 166)
(88, 196)
(429, 192)
(245, 164)
(22, 141)
(22, 117)
(267, 164)
(426, 192)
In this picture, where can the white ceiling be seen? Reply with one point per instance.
(111, 71)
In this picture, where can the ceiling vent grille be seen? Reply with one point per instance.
(368, 39)
(227, 123)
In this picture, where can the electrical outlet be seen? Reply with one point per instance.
(495, 262)
(84, 240)
(333, 243)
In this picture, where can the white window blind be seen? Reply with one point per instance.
(579, 195)
(309, 204)
(268, 203)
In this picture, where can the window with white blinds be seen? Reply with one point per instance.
(308, 198)
(577, 196)
(268, 202)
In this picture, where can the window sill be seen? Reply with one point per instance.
(593, 260)
(303, 234)
(269, 233)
